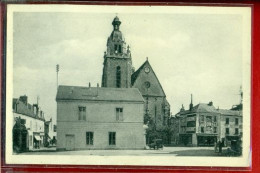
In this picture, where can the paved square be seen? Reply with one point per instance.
(169, 151)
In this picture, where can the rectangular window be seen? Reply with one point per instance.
(82, 113)
(227, 120)
(119, 114)
(236, 131)
(112, 138)
(209, 119)
(215, 129)
(215, 118)
(202, 118)
(202, 129)
(191, 124)
(236, 121)
(89, 138)
(227, 130)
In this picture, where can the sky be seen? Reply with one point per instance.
(190, 53)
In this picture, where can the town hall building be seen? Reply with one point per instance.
(99, 118)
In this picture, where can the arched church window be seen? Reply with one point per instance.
(116, 48)
(118, 77)
(119, 49)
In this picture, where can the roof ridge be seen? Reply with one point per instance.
(105, 88)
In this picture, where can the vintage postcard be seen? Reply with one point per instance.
(128, 85)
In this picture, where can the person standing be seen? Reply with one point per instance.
(220, 146)
(216, 146)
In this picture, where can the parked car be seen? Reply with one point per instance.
(156, 144)
(235, 149)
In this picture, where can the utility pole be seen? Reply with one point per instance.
(57, 70)
(38, 98)
(241, 95)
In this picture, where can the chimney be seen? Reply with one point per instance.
(210, 103)
(97, 88)
(24, 99)
(35, 109)
(191, 105)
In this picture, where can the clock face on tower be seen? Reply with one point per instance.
(147, 69)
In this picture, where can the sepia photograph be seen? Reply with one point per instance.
(128, 85)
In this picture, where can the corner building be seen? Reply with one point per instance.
(28, 125)
(203, 124)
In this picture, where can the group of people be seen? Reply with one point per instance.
(218, 146)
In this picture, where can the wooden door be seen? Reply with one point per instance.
(70, 142)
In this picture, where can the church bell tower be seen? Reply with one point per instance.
(117, 68)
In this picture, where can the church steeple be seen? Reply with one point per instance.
(117, 69)
(116, 45)
(116, 23)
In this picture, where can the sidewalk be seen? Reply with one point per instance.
(44, 149)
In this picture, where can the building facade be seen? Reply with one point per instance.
(156, 104)
(50, 133)
(99, 118)
(203, 125)
(32, 118)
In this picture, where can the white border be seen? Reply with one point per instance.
(133, 160)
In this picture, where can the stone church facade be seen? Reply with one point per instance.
(118, 72)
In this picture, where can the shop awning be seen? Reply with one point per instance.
(42, 134)
(38, 138)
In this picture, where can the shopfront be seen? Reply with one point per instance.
(185, 139)
(206, 139)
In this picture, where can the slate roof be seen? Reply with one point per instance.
(98, 94)
(203, 107)
(229, 112)
(206, 108)
(25, 109)
(136, 73)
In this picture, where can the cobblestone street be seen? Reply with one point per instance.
(173, 151)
